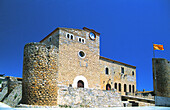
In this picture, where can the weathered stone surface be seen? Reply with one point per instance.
(12, 83)
(115, 78)
(40, 71)
(3, 93)
(161, 80)
(161, 69)
(81, 97)
(162, 101)
(14, 97)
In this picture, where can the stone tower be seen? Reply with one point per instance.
(40, 72)
(161, 81)
(78, 56)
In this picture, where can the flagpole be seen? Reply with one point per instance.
(153, 51)
(154, 71)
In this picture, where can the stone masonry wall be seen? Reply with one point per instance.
(116, 76)
(72, 65)
(161, 81)
(12, 83)
(81, 97)
(40, 71)
(14, 98)
(162, 68)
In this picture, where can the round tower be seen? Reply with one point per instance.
(40, 71)
(161, 80)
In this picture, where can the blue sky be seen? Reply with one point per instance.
(127, 27)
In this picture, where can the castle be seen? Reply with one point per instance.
(71, 57)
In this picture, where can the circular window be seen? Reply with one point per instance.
(81, 54)
(92, 36)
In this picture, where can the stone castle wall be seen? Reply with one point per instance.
(161, 81)
(45, 65)
(40, 72)
(162, 68)
(89, 98)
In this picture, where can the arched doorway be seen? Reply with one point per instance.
(80, 84)
(108, 87)
(78, 78)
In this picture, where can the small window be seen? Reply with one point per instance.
(124, 87)
(71, 37)
(50, 39)
(133, 73)
(107, 70)
(81, 54)
(79, 39)
(129, 88)
(133, 89)
(119, 87)
(115, 85)
(82, 40)
(68, 36)
(122, 70)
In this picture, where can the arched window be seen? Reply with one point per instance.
(133, 73)
(71, 37)
(133, 89)
(119, 87)
(125, 88)
(107, 70)
(129, 88)
(108, 87)
(122, 70)
(80, 84)
(50, 39)
(115, 85)
(68, 36)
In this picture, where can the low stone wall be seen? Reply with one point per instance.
(162, 101)
(3, 93)
(14, 98)
(12, 85)
(81, 97)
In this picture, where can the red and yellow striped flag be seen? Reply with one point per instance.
(158, 47)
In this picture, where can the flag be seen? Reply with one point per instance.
(158, 47)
